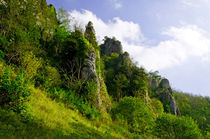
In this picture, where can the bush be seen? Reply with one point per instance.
(1, 54)
(13, 91)
(30, 63)
(136, 113)
(170, 126)
(90, 90)
(75, 102)
(157, 106)
(48, 77)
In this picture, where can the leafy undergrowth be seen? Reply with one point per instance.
(50, 119)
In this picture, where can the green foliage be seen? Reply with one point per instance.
(75, 102)
(105, 98)
(155, 75)
(70, 52)
(90, 34)
(121, 82)
(63, 17)
(52, 78)
(166, 105)
(60, 36)
(139, 82)
(30, 63)
(52, 120)
(90, 91)
(48, 77)
(136, 113)
(124, 78)
(1, 54)
(157, 106)
(34, 41)
(14, 91)
(83, 48)
(171, 127)
(195, 106)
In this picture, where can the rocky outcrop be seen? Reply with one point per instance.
(89, 28)
(89, 67)
(165, 84)
(111, 45)
(165, 94)
(125, 59)
(98, 97)
(154, 84)
(89, 72)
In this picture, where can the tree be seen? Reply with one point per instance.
(169, 126)
(63, 17)
(195, 106)
(121, 83)
(157, 106)
(139, 83)
(136, 113)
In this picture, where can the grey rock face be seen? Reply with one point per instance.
(173, 106)
(166, 96)
(89, 27)
(111, 45)
(165, 84)
(154, 83)
(89, 68)
(89, 72)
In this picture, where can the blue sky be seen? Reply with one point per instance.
(170, 36)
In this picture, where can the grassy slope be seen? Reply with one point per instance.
(53, 120)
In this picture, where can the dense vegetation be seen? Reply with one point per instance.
(57, 82)
(196, 107)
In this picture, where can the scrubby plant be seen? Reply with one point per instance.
(196, 107)
(30, 63)
(72, 100)
(170, 126)
(90, 34)
(90, 92)
(1, 54)
(14, 91)
(157, 107)
(48, 77)
(121, 83)
(136, 113)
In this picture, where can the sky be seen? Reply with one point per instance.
(170, 36)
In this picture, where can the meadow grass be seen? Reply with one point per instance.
(51, 119)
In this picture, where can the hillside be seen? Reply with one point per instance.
(58, 82)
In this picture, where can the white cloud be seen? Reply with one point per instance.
(185, 42)
(195, 3)
(116, 3)
(122, 30)
(188, 3)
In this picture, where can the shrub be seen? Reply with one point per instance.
(90, 90)
(13, 91)
(157, 106)
(171, 126)
(52, 77)
(30, 63)
(75, 102)
(1, 54)
(136, 113)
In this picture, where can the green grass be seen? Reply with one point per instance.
(50, 119)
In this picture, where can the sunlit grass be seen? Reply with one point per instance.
(55, 116)
(51, 119)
